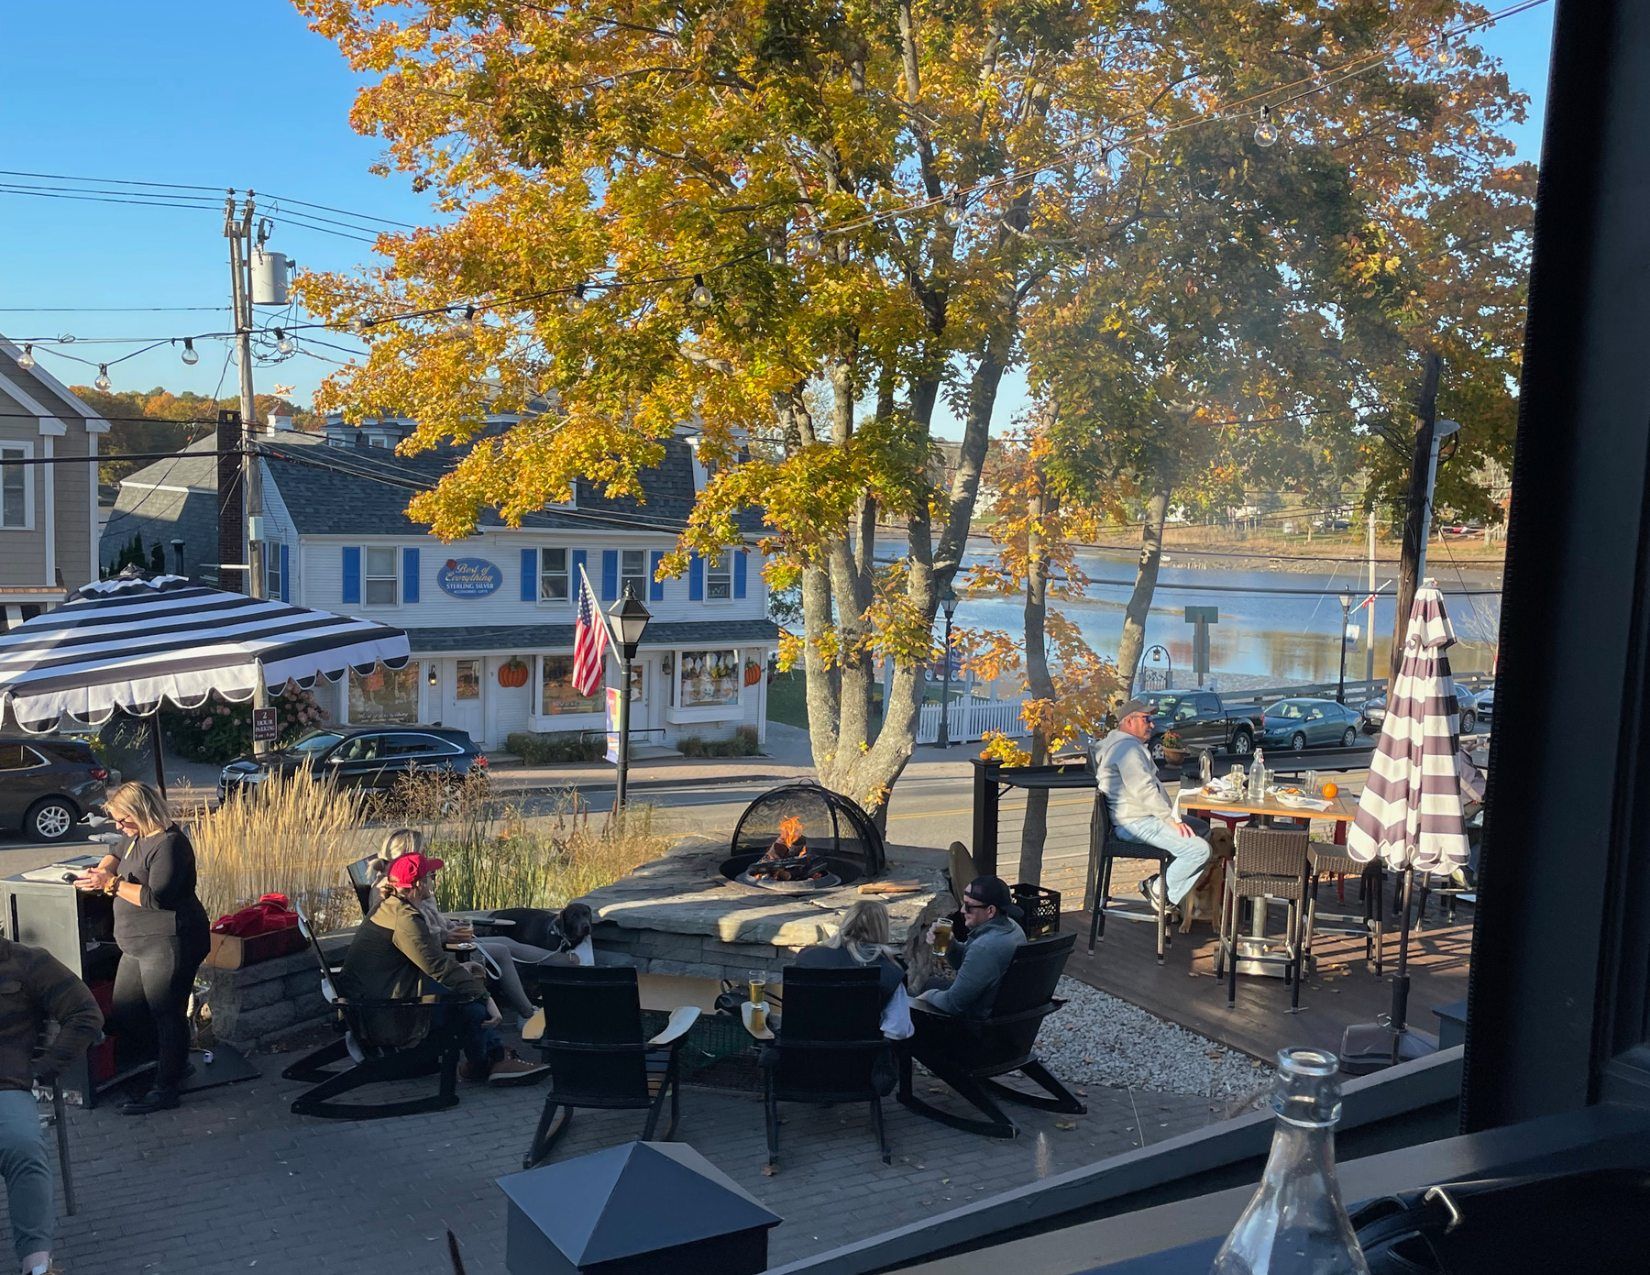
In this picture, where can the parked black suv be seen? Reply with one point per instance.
(372, 757)
(48, 784)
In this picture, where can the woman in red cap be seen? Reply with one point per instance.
(394, 952)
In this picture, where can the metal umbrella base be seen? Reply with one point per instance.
(1367, 1047)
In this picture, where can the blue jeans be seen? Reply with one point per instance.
(27, 1172)
(1190, 854)
(482, 1045)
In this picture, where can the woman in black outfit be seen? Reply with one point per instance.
(162, 932)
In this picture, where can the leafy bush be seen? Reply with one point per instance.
(221, 731)
(543, 749)
(743, 744)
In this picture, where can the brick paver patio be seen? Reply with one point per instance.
(234, 1182)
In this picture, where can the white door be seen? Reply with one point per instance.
(463, 704)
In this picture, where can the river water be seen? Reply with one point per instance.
(1287, 637)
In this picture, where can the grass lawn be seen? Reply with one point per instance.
(788, 700)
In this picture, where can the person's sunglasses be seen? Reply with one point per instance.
(969, 905)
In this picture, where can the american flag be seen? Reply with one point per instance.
(589, 642)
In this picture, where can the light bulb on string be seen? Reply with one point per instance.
(103, 382)
(285, 343)
(189, 357)
(810, 245)
(358, 325)
(470, 313)
(1443, 55)
(25, 360)
(575, 299)
(701, 295)
(1266, 131)
(954, 208)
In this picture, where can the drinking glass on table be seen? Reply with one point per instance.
(942, 935)
(1238, 778)
(759, 986)
(1205, 766)
(1311, 783)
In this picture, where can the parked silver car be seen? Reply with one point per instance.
(1470, 718)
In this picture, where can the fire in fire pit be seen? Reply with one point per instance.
(771, 848)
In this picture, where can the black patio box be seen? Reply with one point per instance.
(644, 1208)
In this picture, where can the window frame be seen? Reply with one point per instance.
(368, 578)
(24, 451)
(719, 574)
(596, 705)
(273, 580)
(638, 577)
(566, 574)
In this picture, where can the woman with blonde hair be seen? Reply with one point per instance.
(162, 931)
(864, 938)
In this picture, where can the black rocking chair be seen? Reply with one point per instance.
(827, 1047)
(598, 1058)
(370, 1064)
(969, 1054)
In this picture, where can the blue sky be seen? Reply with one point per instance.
(256, 100)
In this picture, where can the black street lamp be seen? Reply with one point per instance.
(948, 604)
(1346, 615)
(1160, 655)
(628, 618)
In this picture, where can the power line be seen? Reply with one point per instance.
(107, 181)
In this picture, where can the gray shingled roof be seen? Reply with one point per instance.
(160, 516)
(525, 637)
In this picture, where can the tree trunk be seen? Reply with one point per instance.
(1133, 642)
(1034, 834)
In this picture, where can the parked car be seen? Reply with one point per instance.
(1295, 724)
(48, 784)
(1466, 702)
(1486, 709)
(372, 757)
(1202, 720)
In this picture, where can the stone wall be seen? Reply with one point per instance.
(259, 1006)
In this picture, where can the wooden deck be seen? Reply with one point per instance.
(1343, 990)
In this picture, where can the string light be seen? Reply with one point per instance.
(25, 360)
(358, 325)
(954, 209)
(1444, 55)
(285, 343)
(1266, 132)
(700, 296)
(190, 358)
(575, 299)
(469, 314)
(810, 245)
(103, 382)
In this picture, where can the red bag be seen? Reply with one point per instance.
(270, 914)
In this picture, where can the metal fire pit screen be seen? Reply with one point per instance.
(808, 826)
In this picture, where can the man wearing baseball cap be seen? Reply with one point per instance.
(1140, 807)
(392, 956)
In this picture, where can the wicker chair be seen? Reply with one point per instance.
(1269, 863)
(1328, 859)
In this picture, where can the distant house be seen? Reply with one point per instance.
(490, 619)
(48, 512)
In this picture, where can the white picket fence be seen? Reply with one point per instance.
(970, 718)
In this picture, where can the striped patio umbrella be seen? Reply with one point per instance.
(136, 642)
(1410, 811)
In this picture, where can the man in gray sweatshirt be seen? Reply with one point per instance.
(1140, 807)
(981, 958)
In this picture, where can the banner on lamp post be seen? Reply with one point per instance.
(612, 725)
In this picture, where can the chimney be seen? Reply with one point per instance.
(177, 554)
(231, 511)
(281, 424)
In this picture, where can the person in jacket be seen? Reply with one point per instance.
(35, 990)
(392, 955)
(864, 940)
(981, 956)
(1141, 810)
(161, 930)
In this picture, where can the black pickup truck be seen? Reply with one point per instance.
(1202, 720)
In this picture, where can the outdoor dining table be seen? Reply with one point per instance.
(1341, 810)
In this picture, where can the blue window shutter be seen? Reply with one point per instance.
(286, 575)
(739, 574)
(655, 586)
(352, 574)
(575, 565)
(409, 576)
(529, 575)
(610, 575)
(696, 579)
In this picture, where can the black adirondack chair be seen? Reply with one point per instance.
(368, 1063)
(598, 1058)
(361, 880)
(1105, 848)
(827, 1047)
(969, 1054)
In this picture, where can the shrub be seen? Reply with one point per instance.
(743, 744)
(291, 835)
(221, 731)
(543, 749)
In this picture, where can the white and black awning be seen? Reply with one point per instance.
(132, 643)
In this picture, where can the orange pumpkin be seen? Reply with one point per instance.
(513, 673)
(753, 672)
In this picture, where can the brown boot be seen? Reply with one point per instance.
(515, 1070)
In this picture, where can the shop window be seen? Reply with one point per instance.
(557, 698)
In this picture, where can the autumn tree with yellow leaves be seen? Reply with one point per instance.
(720, 213)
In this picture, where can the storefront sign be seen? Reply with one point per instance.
(469, 577)
(264, 729)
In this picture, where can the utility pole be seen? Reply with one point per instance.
(239, 235)
(1417, 512)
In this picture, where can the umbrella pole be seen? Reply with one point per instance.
(154, 743)
(1400, 983)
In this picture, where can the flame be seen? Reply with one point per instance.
(789, 830)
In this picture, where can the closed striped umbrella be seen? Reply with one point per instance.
(132, 643)
(1410, 811)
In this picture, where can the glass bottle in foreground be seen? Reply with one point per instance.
(1296, 1224)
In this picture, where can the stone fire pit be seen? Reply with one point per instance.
(679, 915)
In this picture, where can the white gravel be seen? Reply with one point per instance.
(1097, 1039)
